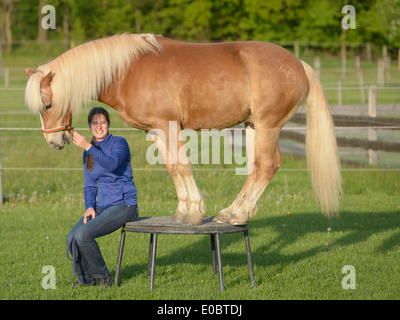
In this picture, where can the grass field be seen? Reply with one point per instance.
(297, 253)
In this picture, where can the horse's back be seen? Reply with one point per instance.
(246, 63)
(214, 85)
(265, 54)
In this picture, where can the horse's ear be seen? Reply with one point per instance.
(29, 72)
(47, 80)
(47, 93)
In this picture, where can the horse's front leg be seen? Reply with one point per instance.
(182, 209)
(191, 209)
(196, 204)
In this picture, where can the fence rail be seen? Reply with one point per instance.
(355, 121)
(349, 142)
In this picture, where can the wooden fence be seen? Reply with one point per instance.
(352, 121)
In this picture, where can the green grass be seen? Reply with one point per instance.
(297, 253)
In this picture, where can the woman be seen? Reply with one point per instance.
(110, 198)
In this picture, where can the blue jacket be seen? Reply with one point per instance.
(111, 180)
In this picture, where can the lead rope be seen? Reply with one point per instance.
(73, 248)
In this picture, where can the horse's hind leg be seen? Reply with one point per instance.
(267, 161)
(226, 214)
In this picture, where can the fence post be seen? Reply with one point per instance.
(384, 53)
(1, 66)
(372, 133)
(360, 79)
(381, 73)
(344, 59)
(368, 49)
(317, 66)
(398, 58)
(296, 49)
(372, 101)
(339, 93)
(6, 77)
(387, 63)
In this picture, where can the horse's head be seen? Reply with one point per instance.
(56, 124)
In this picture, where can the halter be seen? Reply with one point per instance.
(67, 126)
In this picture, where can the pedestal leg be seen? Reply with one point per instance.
(119, 260)
(219, 259)
(249, 259)
(213, 254)
(153, 260)
(150, 253)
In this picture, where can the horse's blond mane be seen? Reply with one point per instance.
(81, 73)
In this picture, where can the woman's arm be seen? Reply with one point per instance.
(110, 163)
(120, 151)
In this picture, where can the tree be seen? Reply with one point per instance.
(204, 20)
(42, 33)
(321, 21)
(6, 10)
(381, 23)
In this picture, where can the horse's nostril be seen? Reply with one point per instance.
(56, 145)
(66, 139)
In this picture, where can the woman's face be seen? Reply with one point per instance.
(99, 127)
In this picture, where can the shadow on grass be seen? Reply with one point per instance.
(271, 236)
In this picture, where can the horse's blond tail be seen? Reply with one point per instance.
(321, 149)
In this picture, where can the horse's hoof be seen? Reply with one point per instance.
(238, 220)
(179, 217)
(222, 217)
(194, 219)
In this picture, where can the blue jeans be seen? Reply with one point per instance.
(90, 264)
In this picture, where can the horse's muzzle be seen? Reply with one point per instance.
(58, 139)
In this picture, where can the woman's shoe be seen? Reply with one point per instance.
(104, 282)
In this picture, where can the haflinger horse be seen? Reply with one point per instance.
(152, 80)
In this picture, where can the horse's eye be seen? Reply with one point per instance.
(48, 107)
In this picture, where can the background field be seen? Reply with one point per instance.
(297, 253)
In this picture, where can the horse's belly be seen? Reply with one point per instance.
(214, 103)
(214, 108)
(217, 117)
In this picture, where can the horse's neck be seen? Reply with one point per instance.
(111, 96)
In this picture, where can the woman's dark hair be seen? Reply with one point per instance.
(98, 110)
(95, 110)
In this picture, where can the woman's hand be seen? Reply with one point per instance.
(89, 212)
(80, 141)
